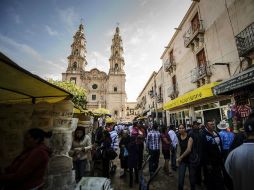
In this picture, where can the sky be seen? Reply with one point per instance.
(37, 34)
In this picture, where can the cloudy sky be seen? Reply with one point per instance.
(37, 34)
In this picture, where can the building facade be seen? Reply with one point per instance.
(203, 52)
(150, 99)
(131, 111)
(104, 90)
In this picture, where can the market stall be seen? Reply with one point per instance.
(27, 101)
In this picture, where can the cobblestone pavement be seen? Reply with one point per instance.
(160, 182)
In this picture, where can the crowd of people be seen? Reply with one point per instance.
(216, 158)
(206, 151)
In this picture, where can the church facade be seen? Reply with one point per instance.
(103, 90)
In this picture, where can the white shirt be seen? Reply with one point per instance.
(173, 138)
(114, 138)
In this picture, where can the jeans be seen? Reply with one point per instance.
(140, 155)
(131, 176)
(213, 177)
(193, 176)
(105, 168)
(79, 166)
(153, 161)
(173, 158)
(181, 174)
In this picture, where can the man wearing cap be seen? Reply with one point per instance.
(113, 134)
(240, 162)
(227, 138)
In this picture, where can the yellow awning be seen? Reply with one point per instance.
(192, 96)
(18, 85)
(101, 111)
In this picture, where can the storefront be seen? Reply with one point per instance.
(200, 104)
(241, 88)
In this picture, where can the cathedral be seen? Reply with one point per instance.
(103, 90)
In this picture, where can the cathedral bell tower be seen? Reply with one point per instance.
(116, 95)
(77, 58)
(116, 59)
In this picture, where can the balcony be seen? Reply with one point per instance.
(200, 72)
(159, 99)
(151, 93)
(169, 65)
(245, 41)
(192, 34)
(173, 92)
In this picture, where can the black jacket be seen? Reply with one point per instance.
(211, 152)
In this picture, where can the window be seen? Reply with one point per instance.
(171, 57)
(116, 66)
(195, 23)
(115, 112)
(174, 82)
(115, 89)
(160, 92)
(94, 86)
(75, 65)
(201, 58)
(93, 97)
(73, 79)
(76, 52)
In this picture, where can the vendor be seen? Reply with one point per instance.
(27, 170)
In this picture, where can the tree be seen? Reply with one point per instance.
(79, 93)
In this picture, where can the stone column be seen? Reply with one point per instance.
(60, 175)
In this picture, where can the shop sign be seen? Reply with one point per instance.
(198, 94)
(244, 79)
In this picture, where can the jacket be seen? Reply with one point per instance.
(27, 170)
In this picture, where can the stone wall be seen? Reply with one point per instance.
(16, 119)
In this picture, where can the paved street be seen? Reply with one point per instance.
(160, 182)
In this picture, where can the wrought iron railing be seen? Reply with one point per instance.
(245, 40)
(168, 64)
(173, 91)
(159, 99)
(191, 33)
(200, 72)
